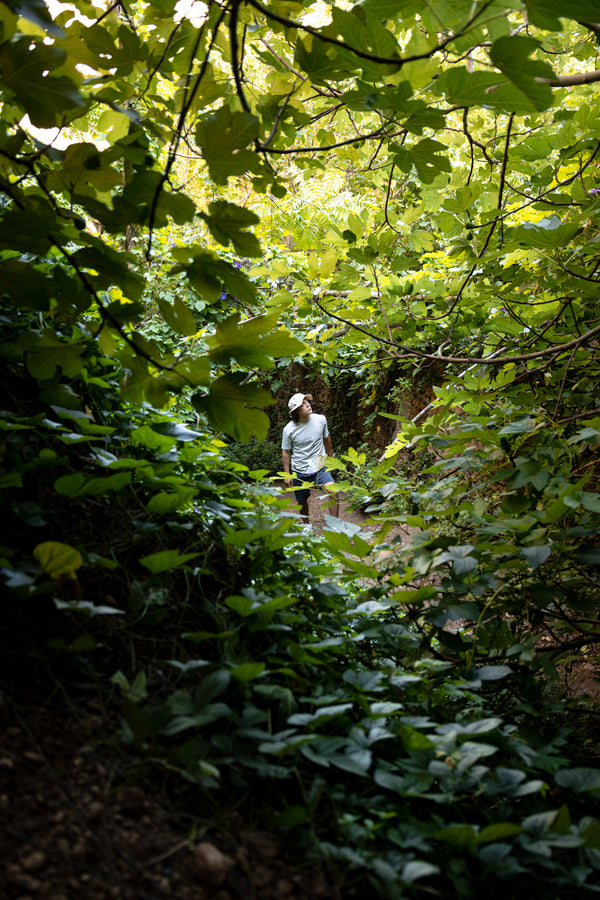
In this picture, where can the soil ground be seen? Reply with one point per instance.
(73, 828)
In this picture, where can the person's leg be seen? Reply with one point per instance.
(304, 509)
(326, 483)
(335, 507)
(302, 498)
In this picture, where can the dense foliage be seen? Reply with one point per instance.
(424, 178)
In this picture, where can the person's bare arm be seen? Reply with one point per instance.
(286, 462)
(328, 445)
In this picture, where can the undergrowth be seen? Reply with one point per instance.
(240, 659)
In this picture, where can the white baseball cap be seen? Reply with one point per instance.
(297, 400)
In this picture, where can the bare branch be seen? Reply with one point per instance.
(571, 80)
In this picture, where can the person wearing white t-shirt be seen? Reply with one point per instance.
(305, 444)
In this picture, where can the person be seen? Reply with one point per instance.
(305, 442)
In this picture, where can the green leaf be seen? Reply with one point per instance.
(536, 556)
(165, 560)
(590, 555)
(323, 714)
(209, 275)
(321, 62)
(548, 13)
(466, 88)
(512, 56)
(227, 223)
(457, 835)
(58, 560)
(416, 869)
(178, 316)
(232, 407)
(47, 99)
(146, 196)
(579, 779)
(548, 233)
(35, 11)
(222, 136)
(499, 831)
(429, 157)
(165, 502)
(491, 673)
(242, 341)
(249, 671)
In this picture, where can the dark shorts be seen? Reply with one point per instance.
(317, 478)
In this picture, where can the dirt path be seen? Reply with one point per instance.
(318, 507)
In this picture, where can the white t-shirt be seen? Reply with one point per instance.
(305, 441)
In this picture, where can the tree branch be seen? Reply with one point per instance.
(362, 54)
(571, 80)
(411, 353)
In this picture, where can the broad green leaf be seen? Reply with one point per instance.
(57, 559)
(38, 219)
(146, 436)
(209, 275)
(579, 779)
(491, 673)
(499, 831)
(549, 233)
(227, 223)
(233, 407)
(165, 502)
(416, 869)
(249, 671)
(457, 835)
(322, 62)
(512, 55)
(429, 157)
(178, 316)
(26, 70)
(223, 137)
(146, 193)
(548, 13)
(165, 560)
(536, 556)
(36, 11)
(469, 88)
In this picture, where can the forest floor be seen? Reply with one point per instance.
(78, 823)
